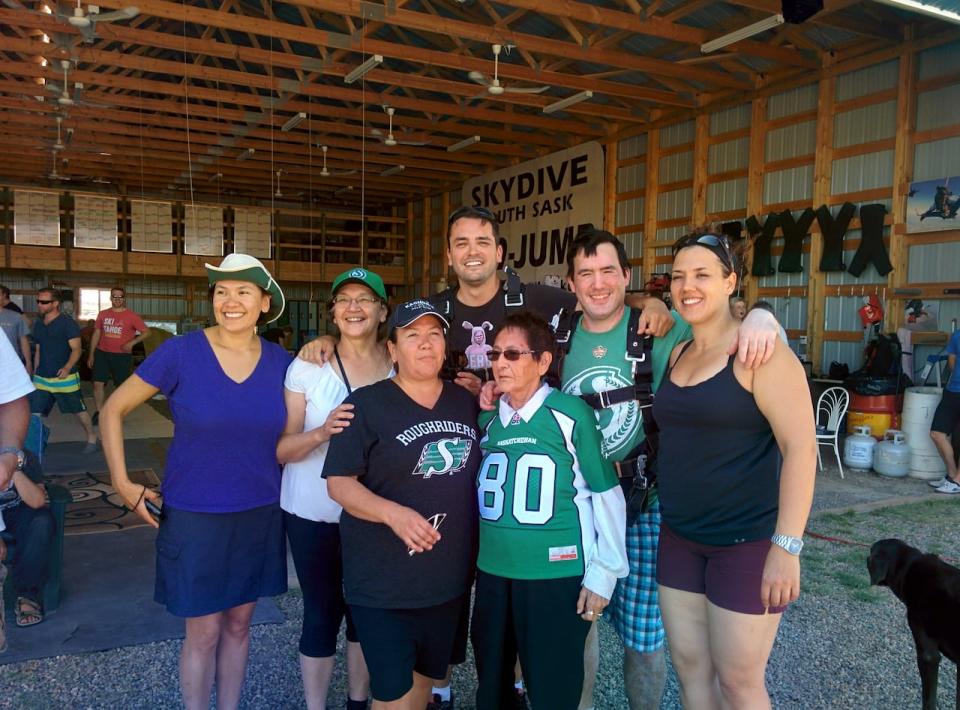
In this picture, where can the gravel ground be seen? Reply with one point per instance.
(842, 645)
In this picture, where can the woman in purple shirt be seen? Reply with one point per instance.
(220, 544)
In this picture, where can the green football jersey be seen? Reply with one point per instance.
(596, 363)
(539, 469)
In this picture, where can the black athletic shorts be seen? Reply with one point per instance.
(111, 366)
(397, 642)
(947, 414)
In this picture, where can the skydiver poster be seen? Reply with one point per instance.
(932, 205)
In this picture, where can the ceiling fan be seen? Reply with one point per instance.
(64, 98)
(337, 173)
(390, 140)
(494, 87)
(86, 21)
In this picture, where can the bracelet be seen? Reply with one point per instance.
(137, 504)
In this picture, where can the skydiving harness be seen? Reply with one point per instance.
(636, 472)
(513, 302)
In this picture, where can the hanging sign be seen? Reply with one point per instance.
(540, 205)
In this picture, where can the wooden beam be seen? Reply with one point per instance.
(822, 175)
(902, 175)
(758, 134)
(700, 154)
(650, 205)
(611, 167)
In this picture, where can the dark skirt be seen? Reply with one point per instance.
(211, 562)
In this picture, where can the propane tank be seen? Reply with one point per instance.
(858, 449)
(891, 457)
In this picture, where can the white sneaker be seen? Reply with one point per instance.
(949, 487)
(937, 483)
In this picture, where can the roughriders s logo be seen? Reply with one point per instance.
(618, 423)
(444, 456)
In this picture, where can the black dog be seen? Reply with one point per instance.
(930, 589)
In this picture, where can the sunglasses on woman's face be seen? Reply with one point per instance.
(712, 241)
(511, 355)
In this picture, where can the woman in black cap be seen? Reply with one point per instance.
(316, 413)
(220, 545)
(404, 472)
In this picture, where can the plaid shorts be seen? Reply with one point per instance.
(634, 610)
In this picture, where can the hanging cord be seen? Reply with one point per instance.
(186, 102)
(310, 206)
(363, 145)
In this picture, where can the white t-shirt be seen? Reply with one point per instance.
(303, 491)
(14, 380)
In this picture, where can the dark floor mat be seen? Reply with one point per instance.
(106, 602)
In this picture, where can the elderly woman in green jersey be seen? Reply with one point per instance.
(552, 521)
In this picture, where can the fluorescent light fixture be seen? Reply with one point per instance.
(361, 71)
(393, 171)
(465, 143)
(744, 32)
(924, 9)
(246, 154)
(294, 121)
(215, 176)
(567, 102)
(342, 190)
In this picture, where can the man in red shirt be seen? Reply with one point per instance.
(117, 330)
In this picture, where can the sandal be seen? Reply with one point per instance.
(29, 612)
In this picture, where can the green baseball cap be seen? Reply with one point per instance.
(360, 276)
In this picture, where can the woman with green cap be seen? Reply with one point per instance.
(220, 543)
(314, 396)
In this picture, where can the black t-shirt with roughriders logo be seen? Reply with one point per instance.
(425, 459)
(471, 326)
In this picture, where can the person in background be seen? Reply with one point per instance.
(14, 419)
(14, 326)
(404, 472)
(5, 301)
(55, 364)
(766, 306)
(220, 545)
(116, 332)
(735, 504)
(548, 563)
(314, 397)
(27, 516)
(945, 420)
(738, 307)
(280, 336)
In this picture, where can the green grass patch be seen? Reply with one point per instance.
(839, 570)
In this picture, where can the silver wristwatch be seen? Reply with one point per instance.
(21, 456)
(793, 545)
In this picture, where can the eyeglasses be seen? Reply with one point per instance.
(435, 520)
(44, 303)
(117, 298)
(712, 241)
(362, 301)
(511, 355)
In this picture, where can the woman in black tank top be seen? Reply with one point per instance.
(737, 466)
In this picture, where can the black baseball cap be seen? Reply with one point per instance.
(407, 313)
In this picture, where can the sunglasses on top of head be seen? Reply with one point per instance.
(472, 211)
(711, 241)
